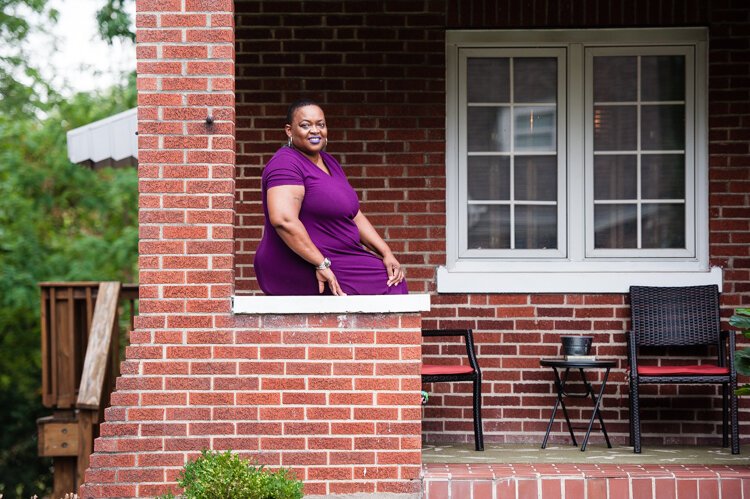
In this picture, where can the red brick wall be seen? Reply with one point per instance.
(378, 69)
(334, 398)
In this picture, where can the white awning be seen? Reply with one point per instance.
(110, 140)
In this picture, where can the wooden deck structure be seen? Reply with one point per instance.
(81, 336)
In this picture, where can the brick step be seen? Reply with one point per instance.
(578, 481)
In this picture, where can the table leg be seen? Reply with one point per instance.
(560, 388)
(597, 402)
(565, 409)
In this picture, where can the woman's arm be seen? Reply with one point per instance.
(370, 238)
(284, 203)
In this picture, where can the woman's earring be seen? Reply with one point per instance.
(289, 142)
(326, 144)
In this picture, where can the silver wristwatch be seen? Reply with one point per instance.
(326, 264)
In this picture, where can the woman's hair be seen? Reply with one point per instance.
(296, 105)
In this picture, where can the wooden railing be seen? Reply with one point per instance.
(81, 337)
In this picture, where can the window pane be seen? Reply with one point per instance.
(535, 178)
(489, 226)
(535, 79)
(535, 128)
(488, 80)
(536, 227)
(615, 128)
(615, 79)
(615, 226)
(663, 176)
(663, 127)
(489, 178)
(663, 226)
(663, 78)
(488, 129)
(615, 177)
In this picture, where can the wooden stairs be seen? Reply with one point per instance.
(81, 338)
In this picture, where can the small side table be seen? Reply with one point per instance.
(560, 382)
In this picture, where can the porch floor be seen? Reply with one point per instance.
(523, 471)
(594, 454)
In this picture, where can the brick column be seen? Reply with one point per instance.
(185, 54)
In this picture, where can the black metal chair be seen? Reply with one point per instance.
(681, 316)
(433, 373)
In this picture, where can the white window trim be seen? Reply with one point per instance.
(575, 273)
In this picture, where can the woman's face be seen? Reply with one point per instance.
(308, 130)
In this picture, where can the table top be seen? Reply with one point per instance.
(590, 364)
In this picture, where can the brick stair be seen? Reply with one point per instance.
(585, 481)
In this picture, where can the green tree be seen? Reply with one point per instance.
(114, 21)
(22, 89)
(58, 221)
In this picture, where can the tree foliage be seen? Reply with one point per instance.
(22, 89)
(58, 221)
(114, 21)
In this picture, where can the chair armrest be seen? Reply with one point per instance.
(732, 335)
(444, 332)
(632, 352)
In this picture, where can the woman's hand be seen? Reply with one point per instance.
(326, 276)
(395, 272)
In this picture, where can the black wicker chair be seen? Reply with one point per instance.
(681, 316)
(433, 373)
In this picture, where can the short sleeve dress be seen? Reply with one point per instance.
(328, 210)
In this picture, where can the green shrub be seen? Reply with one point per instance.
(223, 475)
(741, 320)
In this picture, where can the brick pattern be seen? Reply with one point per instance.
(333, 398)
(573, 481)
(378, 68)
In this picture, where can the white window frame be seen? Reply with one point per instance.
(574, 270)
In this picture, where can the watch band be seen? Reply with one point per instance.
(326, 264)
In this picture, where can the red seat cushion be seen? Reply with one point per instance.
(438, 370)
(697, 370)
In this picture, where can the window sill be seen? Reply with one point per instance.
(568, 282)
(370, 304)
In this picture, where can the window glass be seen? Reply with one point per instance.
(535, 178)
(663, 78)
(615, 79)
(511, 138)
(488, 129)
(489, 226)
(648, 139)
(534, 79)
(488, 79)
(616, 226)
(615, 176)
(489, 178)
(615, 128)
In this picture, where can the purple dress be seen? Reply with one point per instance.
(328, 210)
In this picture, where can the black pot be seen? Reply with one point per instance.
(576, 345)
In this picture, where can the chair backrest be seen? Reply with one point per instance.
(468, 342)
(687, 315)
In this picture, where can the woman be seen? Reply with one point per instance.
(314, 230)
